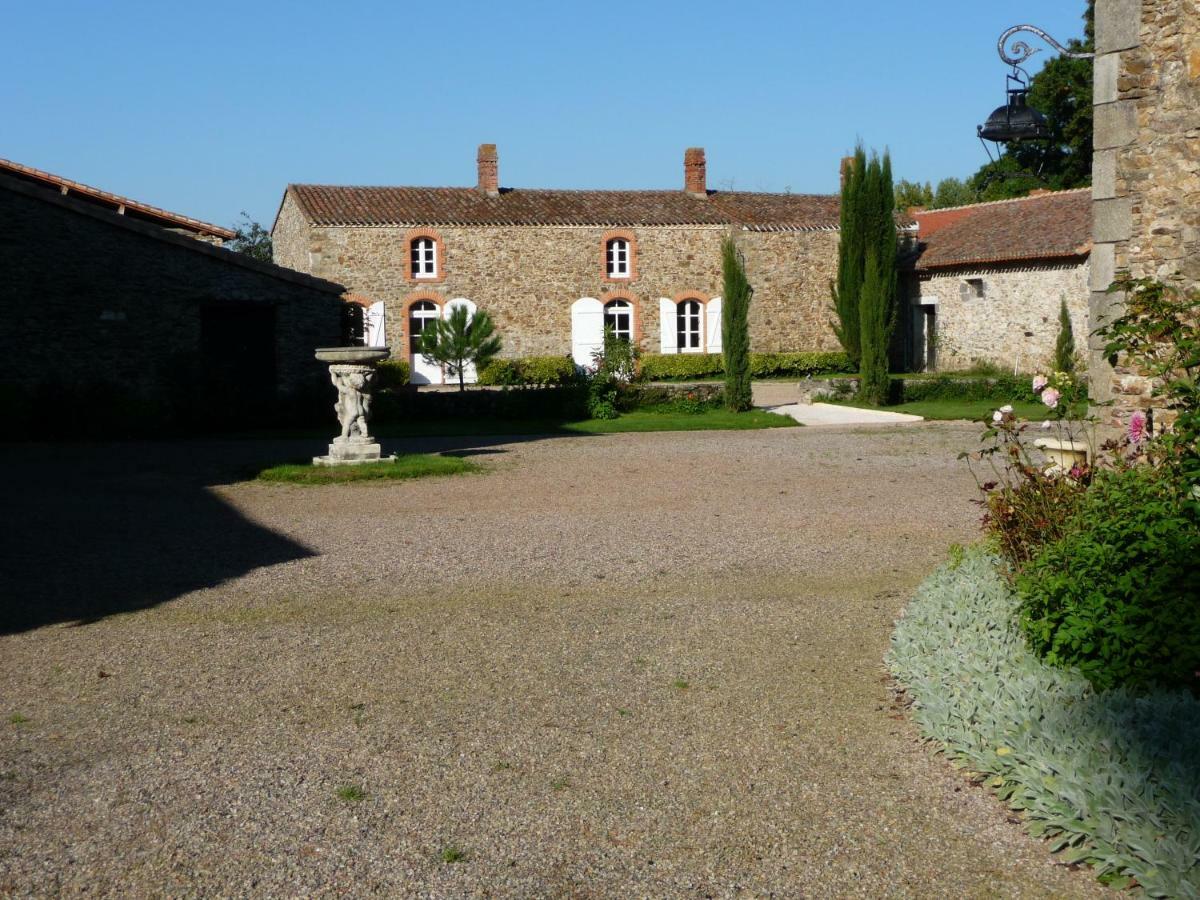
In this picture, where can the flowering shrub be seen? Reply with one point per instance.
(1026, 500)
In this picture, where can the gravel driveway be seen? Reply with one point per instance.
(623, 665)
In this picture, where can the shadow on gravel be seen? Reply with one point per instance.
(95, 530)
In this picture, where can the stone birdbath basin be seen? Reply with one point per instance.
(1062, 453)
(352, 371)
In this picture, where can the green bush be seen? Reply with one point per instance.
(1109, 778)
(1006, 388)
(393, 374)
(530, 371)
(1116, 595)
(683, 366)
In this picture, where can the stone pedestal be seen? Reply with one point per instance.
(352, 372)
(351, 452)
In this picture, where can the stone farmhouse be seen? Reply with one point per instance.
(989, 279)
(126, 314)
(553, 267)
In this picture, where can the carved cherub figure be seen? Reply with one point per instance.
(353, 405)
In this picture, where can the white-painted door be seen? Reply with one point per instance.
(587, 330)
(469, 374)
(420, 316)
(375, 332)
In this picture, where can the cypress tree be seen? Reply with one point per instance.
(848, 289)
(735, 328)
(877, 314)
(1064, 347)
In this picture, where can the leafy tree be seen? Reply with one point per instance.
(913, 193)
(735, 328)
(1064, 347)
(251, 239)
(848, 287)
(952, 192)
(459, 341)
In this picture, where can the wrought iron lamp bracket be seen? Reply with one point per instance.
(1022, 51)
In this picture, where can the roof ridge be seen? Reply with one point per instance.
(1025, 199)
(117, 200)
(544, 190)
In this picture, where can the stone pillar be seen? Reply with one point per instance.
(1146, 168)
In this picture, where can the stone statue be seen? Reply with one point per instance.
(352, 371)
(353, 406)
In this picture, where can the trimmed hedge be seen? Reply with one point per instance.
(393, 374)
(681, 366)
(1109, 778)
(529, 371)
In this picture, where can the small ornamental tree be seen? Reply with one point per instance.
(735, 328)
(1064, 347)
(459, 341)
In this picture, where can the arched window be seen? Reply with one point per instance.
(618, 258)
(688, 331)
(420, 315)
(423, 257)
(618, 315)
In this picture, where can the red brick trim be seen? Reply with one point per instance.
(439, 252)
(359, 299)
(636, 306)
(622, 234)
(699, 297)
(407, 303)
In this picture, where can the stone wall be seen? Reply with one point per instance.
(527, 277)
(1146, 169)
(1015, 323)
(90, 297)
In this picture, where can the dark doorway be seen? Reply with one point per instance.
(237, 356)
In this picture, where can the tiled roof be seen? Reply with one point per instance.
(1045, 227)
(414, 206)
(120, 204)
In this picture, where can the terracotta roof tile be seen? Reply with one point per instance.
(115, 201)
(413, 206)
(1045, 227)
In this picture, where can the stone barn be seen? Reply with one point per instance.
(989, 279)
(117, 315)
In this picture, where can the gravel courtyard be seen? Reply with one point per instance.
(626, 665)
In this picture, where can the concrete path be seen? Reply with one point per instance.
(832, 414)
(633, 665)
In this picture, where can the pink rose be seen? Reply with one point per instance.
(1050, 397)
(1039, 383)
(1137, 427)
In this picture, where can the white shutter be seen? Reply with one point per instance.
(375, 332)
(469, 374)
(714, 325)
(668, 337)
(587, 330)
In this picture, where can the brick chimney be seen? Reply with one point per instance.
(489, 170)
(695, 172)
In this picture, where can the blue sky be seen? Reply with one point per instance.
(208, 109)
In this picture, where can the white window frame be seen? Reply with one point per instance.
(613, 310)
(424, 311)
(619, 257)
(423, 257)
(690, 340)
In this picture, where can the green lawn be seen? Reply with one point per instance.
(639, 420)
(410, 465)
(973, 410)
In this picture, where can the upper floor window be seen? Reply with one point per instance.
(618, 258)
(688, 325)
(423, 257)
(618, 315)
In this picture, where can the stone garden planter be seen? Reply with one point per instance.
(1063, 454)
(352, 370)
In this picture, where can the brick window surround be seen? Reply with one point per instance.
(635, 311)
(439, 250)
(432, 296)
(620, 234)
